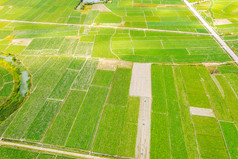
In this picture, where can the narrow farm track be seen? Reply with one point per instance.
(141, 87)
(101, 26)
(212, 31)
(43, 149)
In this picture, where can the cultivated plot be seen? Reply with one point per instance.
(223, 16)
(76, 113)
(192, 109)
(124, 44)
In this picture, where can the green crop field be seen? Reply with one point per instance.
(118, 79)
(227, 15)
(201, 136)
(6, 85)
(7, 152)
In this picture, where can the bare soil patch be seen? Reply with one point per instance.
(141, 80)
(221, 21)
(108, 64)
(144, 129)
(100, 7)
(24, 42)
(202, 112)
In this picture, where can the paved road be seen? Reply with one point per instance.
(211, 30)
(103, 26)
(49, 150)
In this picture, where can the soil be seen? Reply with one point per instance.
(202, 112)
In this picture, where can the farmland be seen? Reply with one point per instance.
(223, 15)
(90, 95)
(88, 65)
(125, 44)
(6, 85)
(179, 133)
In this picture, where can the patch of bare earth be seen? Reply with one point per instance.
(100, 7)
(143, 129)
(202, 112)
(221, 21)
(108, 64)
(141, 87)
(24, 42)
(141, 80)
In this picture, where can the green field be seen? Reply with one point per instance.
(124, 44)
(224, 10)
(182, 135)
(82, 63)
(6, 85)
(7, 152)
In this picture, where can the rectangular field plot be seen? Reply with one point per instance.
(103, 78)
(209, 137)
(85, 77)
(120, 87)
(42, 121)
(118, 127)
(33, 11)
(177, 89)
(230, 133)
(82, 133)
(64, 84)
(58, 132)
(14, 153)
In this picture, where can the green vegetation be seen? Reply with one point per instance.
(42, 120)
(63, 85)
(226, 13)
(177, 88)
(11, 85)
(231, 137)
(86, 122)
(120, 87)
(210, 140)
(58, 132)
(103, 78)
(83, 81)
(16, 153)
(170, 127)
(80, 62)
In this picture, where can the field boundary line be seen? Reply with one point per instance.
(104, 26)
(52, 150)
(111, 45)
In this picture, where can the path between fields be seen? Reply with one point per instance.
(38, 148)
(212, 31)
(103, 26)
(141, 87)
